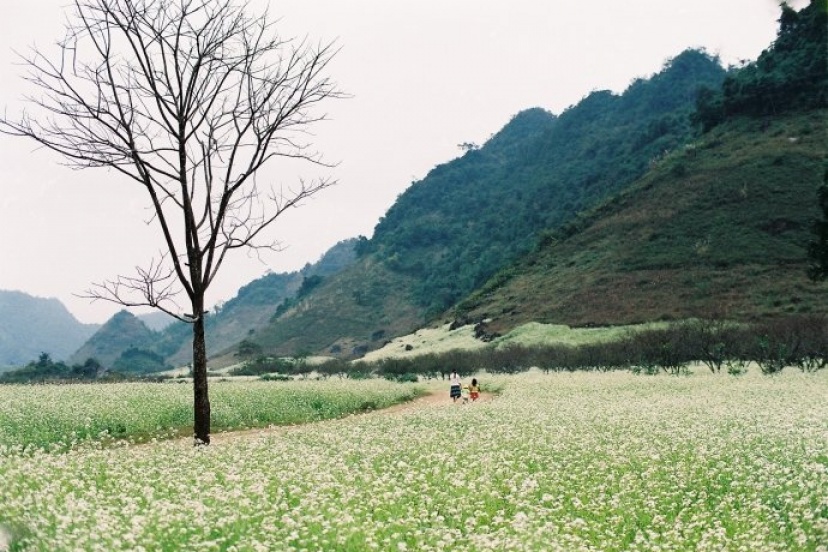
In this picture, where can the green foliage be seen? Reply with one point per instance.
(818, 248)
(276, 377)
(472, 216)
(794, 341)
(45, 370)
(140, 361)
(723, 231)
(791, 75)
(248, 349)
(308, 284)
(265, 365)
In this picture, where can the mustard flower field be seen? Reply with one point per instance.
(58, 417)
(566, 461)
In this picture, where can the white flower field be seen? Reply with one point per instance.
(566, 461)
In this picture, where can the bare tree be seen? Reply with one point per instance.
(190, 99)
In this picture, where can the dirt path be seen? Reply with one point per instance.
(432, 399)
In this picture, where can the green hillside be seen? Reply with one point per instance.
(447, 234)
(126, 338)
(471, 216)
(255, 304)
(693, 191)
(721, 225)
(121, 333)
(346, 315)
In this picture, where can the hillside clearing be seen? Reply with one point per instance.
(443, 339)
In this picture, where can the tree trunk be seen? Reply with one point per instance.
(201, 400)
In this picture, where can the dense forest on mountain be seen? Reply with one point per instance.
(468, 218)
(717, 229)
(677, 196)
(729, 216)
(790, 75)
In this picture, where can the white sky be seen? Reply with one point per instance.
(425, 75)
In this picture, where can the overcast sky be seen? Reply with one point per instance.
(424, 76)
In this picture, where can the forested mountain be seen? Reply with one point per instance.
(468, 218)
(30, 326)
(693, 191)
(721, 225)
(448, 233)
(790, 75)
(717, 228)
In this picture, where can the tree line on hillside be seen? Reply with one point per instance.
(719, 344)
(475, 215)
(46, 370)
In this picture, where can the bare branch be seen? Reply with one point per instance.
(190, 99)
(151, 287)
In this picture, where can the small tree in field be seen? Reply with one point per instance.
(189, 99)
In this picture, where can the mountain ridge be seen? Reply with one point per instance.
(450, 232)
(32, 325)
(683, 192)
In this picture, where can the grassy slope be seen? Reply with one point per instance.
(363, 302)
(719, 226)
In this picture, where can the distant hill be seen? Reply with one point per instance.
(156, 321)
(31, 325)
(345, 315)
(255, 304)
(251, 308)
(122, 332)
(450, 232)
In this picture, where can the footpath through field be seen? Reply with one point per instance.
(435, 397)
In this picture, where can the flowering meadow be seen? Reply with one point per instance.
(566, 461)
(61, 416)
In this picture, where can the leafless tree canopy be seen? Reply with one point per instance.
(189, 98)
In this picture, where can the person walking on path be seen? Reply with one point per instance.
(454, 380)
(474, 389)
